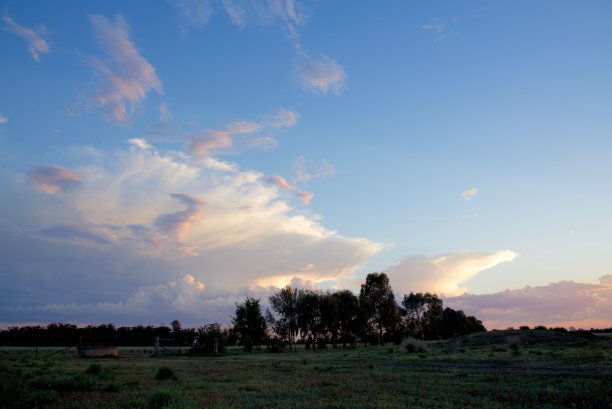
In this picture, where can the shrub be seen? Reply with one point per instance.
(93, 369)
(413, 345)
(164, 373)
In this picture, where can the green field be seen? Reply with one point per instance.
(506, 369)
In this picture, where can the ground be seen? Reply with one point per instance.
(508, 369)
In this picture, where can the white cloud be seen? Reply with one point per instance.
(561, 304)
(282, 183)
(36, 43)
(141, 219)
(128, 77)
(322, 75)
(283, 118)
(469, 194)
(3, 119)
(443, 274)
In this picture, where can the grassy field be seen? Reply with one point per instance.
(507, 369)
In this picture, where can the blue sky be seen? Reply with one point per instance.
(163, 160)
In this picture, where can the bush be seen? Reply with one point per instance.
(413, 345)
(93, 369)
(164, 373)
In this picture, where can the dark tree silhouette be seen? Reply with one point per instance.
(285, 304)
(377, 300)
(249, 324)
(423, 314)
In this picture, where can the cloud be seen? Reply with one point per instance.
(53, 179)
(443, 274)
(3, 119)
(438, 27)
(606, 279)
(246, 133)
(282, 183)
(206, 142)
(84, 232)
(302, 174)
(36, 43)
(178, 224)
(469, 194)
(283, 118)
(561, 304)
(164, 113)
(322, 75)
(128, 77)
(138, 222)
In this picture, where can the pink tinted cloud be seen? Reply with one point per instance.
(178, 225)
(53, 179)
(128, 76)
(322, 75)
(565, 303)
(36, 44)
(205, 142)
(469, 194)
(92, 233)
(282, 183)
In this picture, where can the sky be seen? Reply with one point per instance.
(163, 160)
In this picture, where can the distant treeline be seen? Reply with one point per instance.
(313, 318)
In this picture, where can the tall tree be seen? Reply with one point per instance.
(377, 299)
(423, 314)
(249, 324)
(348, 315)
(285, 303)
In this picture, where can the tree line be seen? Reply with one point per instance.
(318, 318)
(314, 318)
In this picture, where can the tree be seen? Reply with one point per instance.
(249, 324)
(348, 315)
(423, 314)
(285, 304)
(377, 299)
(457, 323)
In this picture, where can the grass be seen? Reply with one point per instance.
(469, 372)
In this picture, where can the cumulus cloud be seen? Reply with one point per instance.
(133, 226)
(36, 43)
(469, 194)
(321, 75)
(53, 179)
(3, 119)
(445, 273)
(128, 77)
(563, 304)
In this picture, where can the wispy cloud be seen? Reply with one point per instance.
(83, 232)
(564, 304)
(282, 183)
(3, 119)
(36, 43)
(128, 76)
(469, 194)
(283, 118)
(443, 274)
(303, 173)
(211, 141)
(53, 179)
(321, 75)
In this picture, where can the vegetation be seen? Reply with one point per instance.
(554, 370)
